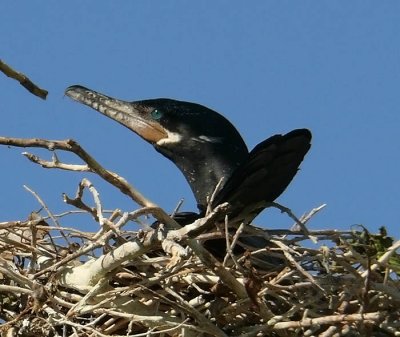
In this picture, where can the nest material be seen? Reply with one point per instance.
(162, 282)
(59, 281)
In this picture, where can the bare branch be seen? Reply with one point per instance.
(23, 80)
(114, 282)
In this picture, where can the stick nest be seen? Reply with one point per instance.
(59, 281)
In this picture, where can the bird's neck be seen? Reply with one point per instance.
(205, 167)
(204, 176)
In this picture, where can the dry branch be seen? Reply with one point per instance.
(23, 80)
(162, 281)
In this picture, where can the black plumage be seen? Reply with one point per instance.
(206, 147)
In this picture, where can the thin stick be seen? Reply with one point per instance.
(23, 80)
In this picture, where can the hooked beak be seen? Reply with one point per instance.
(130, 114)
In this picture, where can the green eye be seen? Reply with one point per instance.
(156, 114)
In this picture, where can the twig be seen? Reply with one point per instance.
(285, 250)
(301, 224)
(111, 177)
(372, 317)
(213, 195)
(50, 214)
(177, 207)
(200, 318)
(231, 246)
(23, 80)
(56, 164)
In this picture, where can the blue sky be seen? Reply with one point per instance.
(269, 66)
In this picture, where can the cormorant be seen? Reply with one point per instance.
(206, 147)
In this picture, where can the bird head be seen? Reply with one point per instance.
(202, 143)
